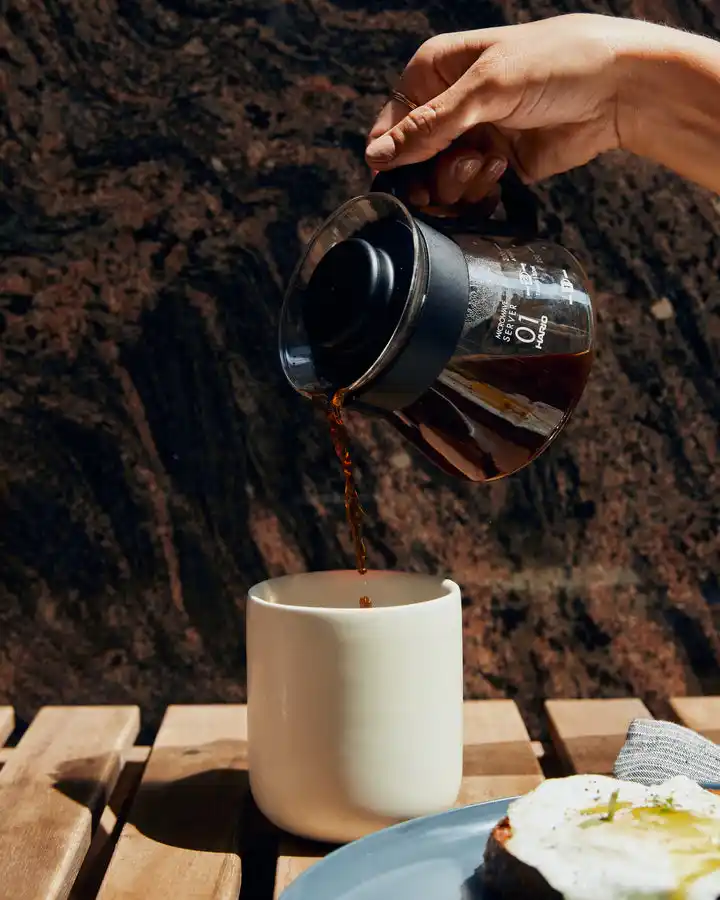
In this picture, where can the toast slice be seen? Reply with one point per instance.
(507, 878)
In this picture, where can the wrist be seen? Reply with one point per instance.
(668, 100)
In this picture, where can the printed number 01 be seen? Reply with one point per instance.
(528, 336)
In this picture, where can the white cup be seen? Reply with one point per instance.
(355, 716)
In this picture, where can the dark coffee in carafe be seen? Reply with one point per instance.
(483, 442)
(518, 369)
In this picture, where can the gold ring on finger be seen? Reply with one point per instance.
(406, 101)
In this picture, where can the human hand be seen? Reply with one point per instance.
(544, 96)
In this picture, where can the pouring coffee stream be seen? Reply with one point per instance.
(472, 338)
(353, 509)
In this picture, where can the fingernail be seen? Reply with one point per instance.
(381, 150)
(419, 196)
(467, 169)
(494, 168)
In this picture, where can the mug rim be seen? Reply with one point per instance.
(451, 588)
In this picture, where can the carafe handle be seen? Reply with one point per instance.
(519, 202)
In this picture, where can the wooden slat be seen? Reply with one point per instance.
(181, 835)
(589, 734)
(499, 756)
(295, 858)
(702, 714)
(7, 723)
(52, 784)
(87, 884)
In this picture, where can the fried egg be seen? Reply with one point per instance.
(597, 838)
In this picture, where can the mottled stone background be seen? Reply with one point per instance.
(162, 163)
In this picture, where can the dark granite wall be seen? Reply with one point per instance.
(162, 162)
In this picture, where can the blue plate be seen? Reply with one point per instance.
(433, 858)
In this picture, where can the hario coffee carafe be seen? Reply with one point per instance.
(473, 339)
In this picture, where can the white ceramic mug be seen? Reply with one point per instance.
(355, 716)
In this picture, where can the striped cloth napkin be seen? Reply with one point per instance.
(655, 751)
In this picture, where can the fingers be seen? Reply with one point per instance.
(449, 54)
(450, 84)
(462, 175)
(481, 95)
(465, 176)
(424, 131)
(393, 112)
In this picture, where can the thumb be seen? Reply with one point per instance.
(431, 127)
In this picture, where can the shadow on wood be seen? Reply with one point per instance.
(205, 812)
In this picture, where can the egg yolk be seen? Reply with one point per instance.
(694, 840)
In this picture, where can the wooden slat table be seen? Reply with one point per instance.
(51, 786)
(702, 714)
(84, 813)
(588, 738)
(7, 723)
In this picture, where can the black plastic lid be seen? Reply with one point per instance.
(338, 307)
(436, 329)
(355, 299)
(377, 312)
